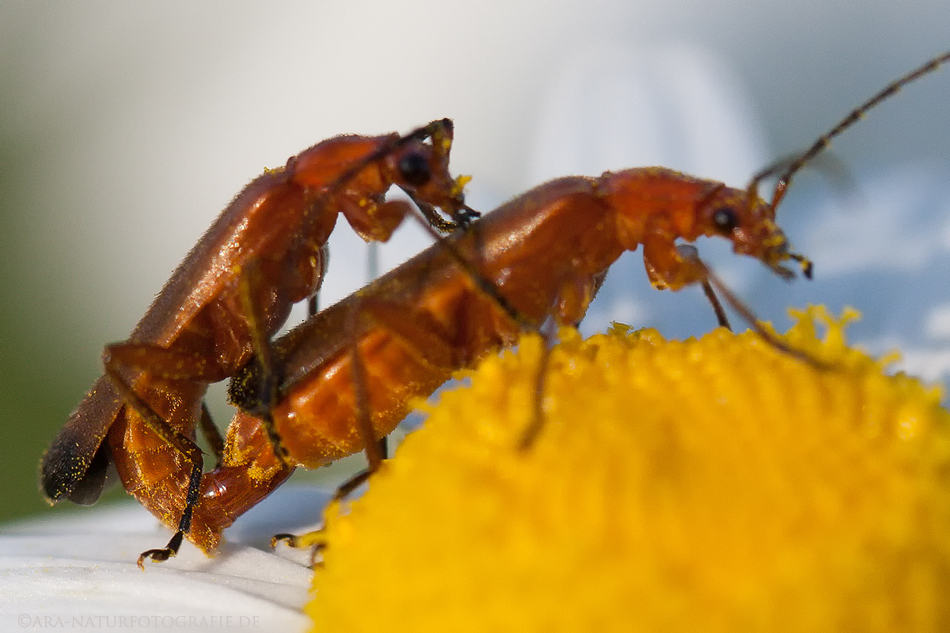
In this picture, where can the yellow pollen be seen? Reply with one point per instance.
(702, 485)
(459, 185)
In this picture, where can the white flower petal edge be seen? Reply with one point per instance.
(79, 571)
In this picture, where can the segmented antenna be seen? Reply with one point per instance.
(858, 113)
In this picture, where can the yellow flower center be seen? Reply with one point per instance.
(705, 485)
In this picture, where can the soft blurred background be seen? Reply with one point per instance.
(126, 127)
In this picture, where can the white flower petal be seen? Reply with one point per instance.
(81, 568)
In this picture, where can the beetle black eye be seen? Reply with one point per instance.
(725, 220)
(414, 169)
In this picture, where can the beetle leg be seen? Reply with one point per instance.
(168, 364)
(364, 422)
(179, 442)
(690, 253)
(211, 433)
(716, 305)
(748, 315)
(249, 282)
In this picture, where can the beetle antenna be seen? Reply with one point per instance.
(792, 167)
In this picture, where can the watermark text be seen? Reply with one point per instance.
(133, 622)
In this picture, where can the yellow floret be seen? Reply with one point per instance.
(705, 485)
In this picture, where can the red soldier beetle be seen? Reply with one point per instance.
(264, 253)
(346, 376)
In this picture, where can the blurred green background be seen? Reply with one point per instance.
(126, 128)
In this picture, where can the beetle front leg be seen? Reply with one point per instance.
(669, 267)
